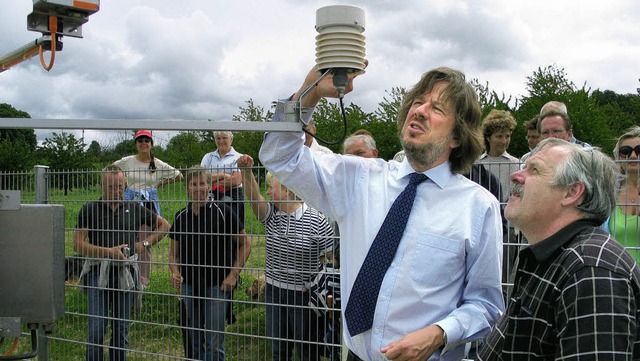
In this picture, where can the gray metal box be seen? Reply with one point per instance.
(32, 263)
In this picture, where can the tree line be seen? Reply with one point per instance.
(599, 118)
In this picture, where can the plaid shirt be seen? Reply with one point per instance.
(576, 296)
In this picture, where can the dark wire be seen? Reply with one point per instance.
(344, 132)
(34, 349)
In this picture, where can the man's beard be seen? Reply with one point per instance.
(424, 155)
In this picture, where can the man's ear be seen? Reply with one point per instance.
(454, 143)
(574, 194)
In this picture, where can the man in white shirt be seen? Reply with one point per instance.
(442, 289)
(555, 123)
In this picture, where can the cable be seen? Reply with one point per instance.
(53, 28)
(34, 349)
(344, 133)
(13, 347)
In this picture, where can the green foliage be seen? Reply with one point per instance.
(599, 118)
(548, 83)
(184, 150)
(249, 142)
(590, 121)
(63, 152)
(17, 146)
(389, 108)
(489, 99)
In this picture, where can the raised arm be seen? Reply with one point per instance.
(324, 89)
(251, 188)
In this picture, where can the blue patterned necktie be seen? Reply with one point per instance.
(364, 294)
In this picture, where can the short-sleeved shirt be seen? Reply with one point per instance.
(139, 176)
(226, 164)
(206, 242)
(626, 230)
(295, 242)
(110, 228)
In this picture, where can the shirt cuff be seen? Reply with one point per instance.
(449, 335)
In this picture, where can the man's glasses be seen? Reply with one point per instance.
(143, 140)
(625, 151)
(554, 133)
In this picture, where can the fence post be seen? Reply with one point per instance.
(42, 193)
(42, 197)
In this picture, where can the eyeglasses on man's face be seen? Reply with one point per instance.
(625, 151)
(552, 133)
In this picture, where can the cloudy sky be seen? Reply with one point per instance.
(202, 59)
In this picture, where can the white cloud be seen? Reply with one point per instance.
(202, 60)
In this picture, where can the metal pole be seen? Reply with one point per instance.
(43, 342)
(155, 124)
(42, 194)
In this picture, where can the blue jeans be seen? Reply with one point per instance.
(144, 195)
(289, 318)
(102, 300)
(206, 321)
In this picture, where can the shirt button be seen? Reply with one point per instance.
(384, 298)
(393, 264)
(377, 329)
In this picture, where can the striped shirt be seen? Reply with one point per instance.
(294, 244)
(576, 296)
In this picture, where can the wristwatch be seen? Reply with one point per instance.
(146, 244)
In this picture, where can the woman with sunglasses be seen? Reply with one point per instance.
(144, 174)
(624, 223)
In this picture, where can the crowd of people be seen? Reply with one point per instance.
(424, 243)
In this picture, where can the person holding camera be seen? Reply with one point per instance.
(107, 235)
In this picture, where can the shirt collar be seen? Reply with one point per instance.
(298, 213)
(545, 249)
(229, 153)
(439, 174)
(485, 155)
(208, 204)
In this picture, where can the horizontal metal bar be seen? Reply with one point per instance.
(155, 124)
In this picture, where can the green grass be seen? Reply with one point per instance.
(154, 333)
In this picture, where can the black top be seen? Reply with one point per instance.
(109, 228)
(576, 296)
(207, 246)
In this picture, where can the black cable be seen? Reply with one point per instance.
(34, 349)
(344, 133)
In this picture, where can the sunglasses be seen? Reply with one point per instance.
(625, 151)
(143, 140)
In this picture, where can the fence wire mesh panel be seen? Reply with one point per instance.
(171, 320)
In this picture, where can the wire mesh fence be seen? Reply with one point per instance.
(162, 329)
